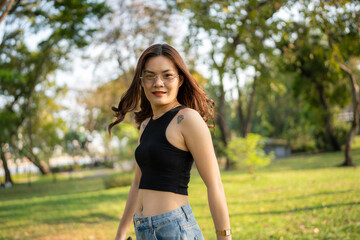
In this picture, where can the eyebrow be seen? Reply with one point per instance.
(167, 70)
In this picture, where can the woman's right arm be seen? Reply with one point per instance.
(130, 206)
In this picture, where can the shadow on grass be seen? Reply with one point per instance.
(46, 187)
(59, 203)
(298, 209)
(293, 198)
(88, 218)
(311, 161)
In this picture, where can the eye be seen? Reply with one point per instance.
(149, 75)
(169, 76)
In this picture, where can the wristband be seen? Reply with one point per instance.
(226, 232)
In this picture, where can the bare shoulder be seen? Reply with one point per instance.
(189, 118)
(194, 129)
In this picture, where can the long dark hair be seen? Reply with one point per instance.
(190, 93)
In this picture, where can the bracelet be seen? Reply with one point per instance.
(226, 232)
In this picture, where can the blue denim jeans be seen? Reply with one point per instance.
(176, 224)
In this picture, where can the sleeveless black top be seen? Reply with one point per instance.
(164, 167)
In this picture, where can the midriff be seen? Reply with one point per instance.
(151, 202)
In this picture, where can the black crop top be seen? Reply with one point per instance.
(163, 166)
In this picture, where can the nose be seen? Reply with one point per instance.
(158, 81)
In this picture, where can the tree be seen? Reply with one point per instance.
(237, 32)
(324, 41)
(344, 41)
(316, 82)
(42, 130)
(24, 67)
(97, 104)
(279, 115)
(125, 34)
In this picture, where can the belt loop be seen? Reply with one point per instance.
(150, 222)
(185, 212)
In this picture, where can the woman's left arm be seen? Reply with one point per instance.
(198, 140)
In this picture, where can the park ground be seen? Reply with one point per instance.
(301, 197)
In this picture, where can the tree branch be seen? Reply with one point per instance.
(7, 37)
(15, 6)
(354, 86)
(7, 9)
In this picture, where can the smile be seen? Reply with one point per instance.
(158, 93)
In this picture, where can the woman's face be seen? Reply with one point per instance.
(160, 81)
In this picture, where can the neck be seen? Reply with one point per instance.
(158, 111)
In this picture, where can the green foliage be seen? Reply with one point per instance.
(125, 135)
(65, 168)
(75, 142)
(300, 85)
(248, 151)
(320, 134)
(238, 32)
(115, 181)
(29, 108)
(313, 46)
(128, 136)
(146, 23)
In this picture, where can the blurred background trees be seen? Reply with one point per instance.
(37, 38)
(286, 70)
(249, 152)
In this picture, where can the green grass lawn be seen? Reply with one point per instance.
(302, 197)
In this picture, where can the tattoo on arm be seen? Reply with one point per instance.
(143, 125)
(180, 118)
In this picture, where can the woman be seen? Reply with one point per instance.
(173, 134)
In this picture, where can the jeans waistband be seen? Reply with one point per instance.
(185, 209)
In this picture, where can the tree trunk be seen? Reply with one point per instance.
(35, 160)
(30, 154)
(221, 119)
(240, 108)
(241, 116)
(348, 160)
(6, 169)
(222, 116)
(356, 110)
(247, 125)
(328, 125)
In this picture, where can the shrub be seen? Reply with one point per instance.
(115, 181)
(249, 151)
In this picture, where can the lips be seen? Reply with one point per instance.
(158, 93)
